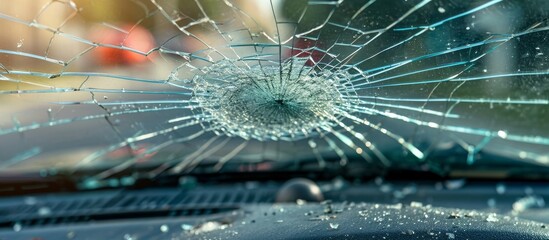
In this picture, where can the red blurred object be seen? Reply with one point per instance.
(130, 36)
(266, 166)
(301, 50)
(125, 152)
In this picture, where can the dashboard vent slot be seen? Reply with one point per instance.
(40, 221)
(63, 209)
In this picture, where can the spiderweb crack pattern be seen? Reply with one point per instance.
(178, 83)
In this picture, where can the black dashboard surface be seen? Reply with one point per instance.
(396, 210)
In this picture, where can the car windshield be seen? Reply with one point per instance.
(169, 86)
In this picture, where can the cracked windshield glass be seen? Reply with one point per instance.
(170, 86)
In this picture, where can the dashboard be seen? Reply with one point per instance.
(452, 209)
